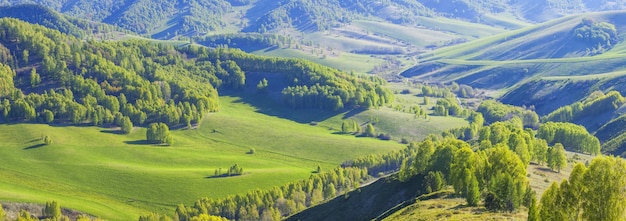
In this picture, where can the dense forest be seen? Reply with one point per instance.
(53, 77)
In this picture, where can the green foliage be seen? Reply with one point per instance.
(158, 133)
(370, 131)
(155, 217)
(556, 158)
(597, 103)
(574, 137)
(35, 79)
(37, 14)
(593, 193)
(434, 181)
(261, 87)
(158, 83)
(350, 126)
(540, 151)
(47, 140)
(494, 111)
(604, 181)
(47, 116)
(2, 213)
(533, 212)
(601, 35)
(6, 81)
(52, 210)
(126, 125)
(473, 191)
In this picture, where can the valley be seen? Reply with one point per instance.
(312, 110)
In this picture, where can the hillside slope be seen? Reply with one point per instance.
(536, 64)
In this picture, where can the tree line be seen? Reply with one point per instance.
(278, 202)
(595, 104)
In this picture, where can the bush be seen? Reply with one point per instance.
(384, 136)
(47, 140)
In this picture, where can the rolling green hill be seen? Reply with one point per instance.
(118, 177)
(547, 65)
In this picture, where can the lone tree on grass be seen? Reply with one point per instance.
(159, 133)
(47, 140)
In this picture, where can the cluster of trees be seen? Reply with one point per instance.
(278, 202)
(600, 35)
(572, 136)
(497, 173)
(159, 133)
(494, 111)
(234, 170)
(449, 106)
(90, 82)
(591, 193)
(262, 86)
(595, 104)
(350, 127)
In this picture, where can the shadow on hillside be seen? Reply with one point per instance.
(353, 112)
(34, 146)
(268, 106)
(375, 201)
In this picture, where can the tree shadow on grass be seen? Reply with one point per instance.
(544, 169)
(34, 146)
(137, 142)
(222, 176)
(111, 131)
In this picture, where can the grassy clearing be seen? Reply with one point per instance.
(345, 61)
(118, 177)
(541, 177)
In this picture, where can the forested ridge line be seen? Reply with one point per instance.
(50, 77)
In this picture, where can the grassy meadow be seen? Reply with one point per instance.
(118, 177)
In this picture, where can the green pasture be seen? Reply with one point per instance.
(118, 177)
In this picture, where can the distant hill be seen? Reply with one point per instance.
(547, 65)
(166, 19)
(41, 15)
